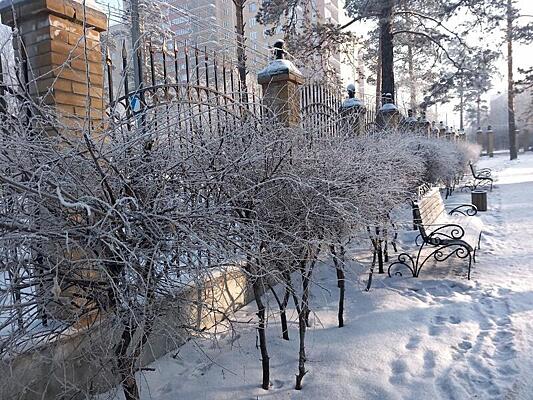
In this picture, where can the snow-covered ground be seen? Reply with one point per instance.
(436, 337)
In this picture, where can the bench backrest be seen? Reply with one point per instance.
(472, 168)
(427, 209)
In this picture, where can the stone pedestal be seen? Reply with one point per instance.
(490, 142)
(442, 130)
(353, 113)
(479, 139)
(525, 139)
(63, 73)
(280, 81)
(388, 116)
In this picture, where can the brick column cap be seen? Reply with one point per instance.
(69, 9)
(280, 71)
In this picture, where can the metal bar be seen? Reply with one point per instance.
(126, 83)
(3, 104)
(232, 83)
(207, 94)
(109, 64)
(136, 43)
(215, 70)
(198, 92)
(138, 89)
(225, 84)
(188, 80)
(165, 80)
(178, 81)
(152, 63)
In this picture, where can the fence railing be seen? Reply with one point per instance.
(181, 90)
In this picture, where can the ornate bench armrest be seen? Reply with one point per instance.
(462, 209)
(445, 233)
(484, 172)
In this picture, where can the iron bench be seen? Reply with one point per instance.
(442, 234)
(480, 177)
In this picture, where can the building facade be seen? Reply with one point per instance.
(211, 24)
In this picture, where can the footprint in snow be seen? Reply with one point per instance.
(435, 330)
(465, 345)
(429, 363)
(455, 320)
(414, 342)
(399, 370)
(277, 384)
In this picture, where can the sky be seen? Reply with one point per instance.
(521, 54)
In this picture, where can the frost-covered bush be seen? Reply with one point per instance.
(442, 159)
(108, 223)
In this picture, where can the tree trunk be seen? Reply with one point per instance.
(412, 80)
(378, 78)
(125, 364)
(241, 50)
(387, 49)
(302, 319)
(302, 327)
(371, 273)
(510, 83)
(478, 111)
(265, 360)
(340, 283)
(284, 326)
(282, 304)
(461, 105)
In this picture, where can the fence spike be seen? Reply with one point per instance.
(124, 49)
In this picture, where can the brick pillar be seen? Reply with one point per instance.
(490, 141)
(388, 116)
(52, 32)
(423, 126)
(353, 113)
(434, 130)
(280, 81)
(479, 139)
(60, 69)
(526, 139)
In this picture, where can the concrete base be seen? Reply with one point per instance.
(82, 362)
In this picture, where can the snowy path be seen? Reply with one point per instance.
(437, 337)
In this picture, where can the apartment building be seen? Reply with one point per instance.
(211, 23)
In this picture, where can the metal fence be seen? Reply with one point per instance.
(182, 90)
(321, 111)
(187, 88)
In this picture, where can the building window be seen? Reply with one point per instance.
(252, 7)
(253, 35)
(252, 22)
